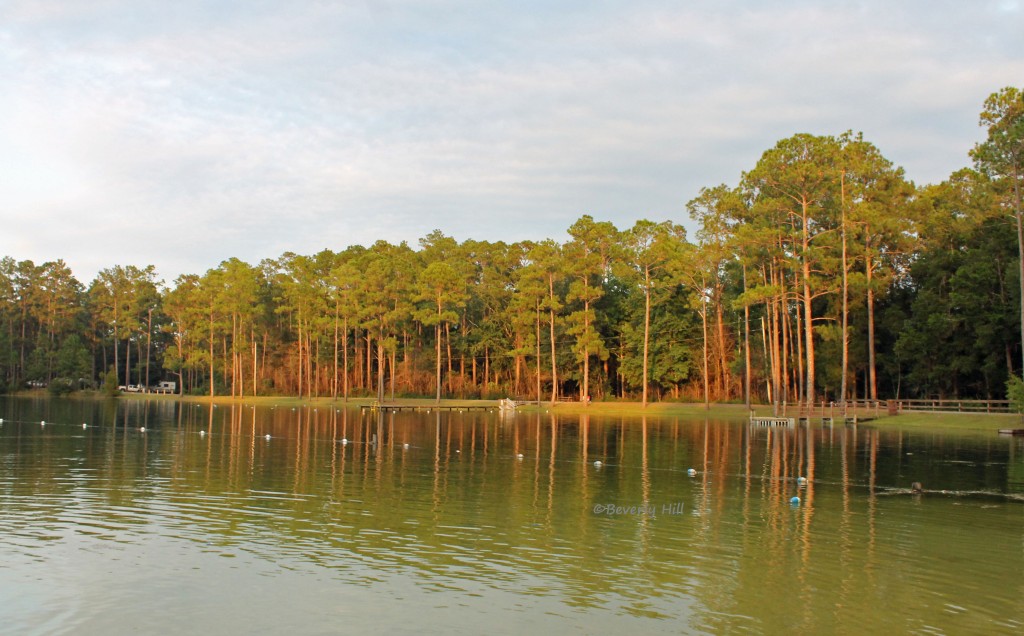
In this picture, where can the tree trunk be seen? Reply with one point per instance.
(704, 327)
(869, 271)
(255, 384)
(554, 354)
(334, 383)
(344, 358)
(647, 328)
(586, 343)
(127, 362)
(380, 365)
(746, 345)
(723, 365)
(369, 362)
(437, 344)
(846, 305)
(796, 340)
(448, 348)
(211, 353)
(394, 354)
(808, 317)
(538, 353)
(1020, 257)
(149, 343)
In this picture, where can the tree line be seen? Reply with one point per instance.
(823, 274)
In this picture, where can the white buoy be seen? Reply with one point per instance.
(598, 464)
(457, 450)
(142, 429)
(267, 436)
(43, 423)
(691, 472)
(202, 433)
(801, 481)
(84, 425)
(344, 441)
(519, 456)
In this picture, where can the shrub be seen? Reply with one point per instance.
(60, 386)
(110, 383)
(1015, 393)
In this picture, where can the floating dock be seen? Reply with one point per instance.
(772, 421)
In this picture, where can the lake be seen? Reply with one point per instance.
(476, 522)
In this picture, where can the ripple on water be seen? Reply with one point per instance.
(182, 521)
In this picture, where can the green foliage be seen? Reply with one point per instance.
(61, 386)
(606, 312)
(1015, 392)
(110, 383)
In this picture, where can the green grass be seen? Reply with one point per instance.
(981, 422)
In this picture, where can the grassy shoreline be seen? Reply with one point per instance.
(965, 422)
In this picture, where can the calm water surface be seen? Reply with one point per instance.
(200, 523)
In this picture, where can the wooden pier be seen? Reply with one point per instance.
(802, 416)
(394, 408)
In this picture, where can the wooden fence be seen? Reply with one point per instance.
(952, 406)
(877, 408)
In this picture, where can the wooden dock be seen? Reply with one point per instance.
(394, 408)
(772, 421)
(756, 420)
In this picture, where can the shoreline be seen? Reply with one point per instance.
(963, 422)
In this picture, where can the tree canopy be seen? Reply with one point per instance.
(823, 273)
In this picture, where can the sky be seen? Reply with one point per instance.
(180, 134)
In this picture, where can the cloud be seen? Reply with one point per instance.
(182, 134)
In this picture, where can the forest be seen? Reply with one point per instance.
(822, 274)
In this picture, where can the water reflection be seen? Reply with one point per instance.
(438, 509)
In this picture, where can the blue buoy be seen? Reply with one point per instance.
(795, 501)
(691, 472)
